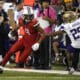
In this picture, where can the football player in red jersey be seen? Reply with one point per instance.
(34, 34)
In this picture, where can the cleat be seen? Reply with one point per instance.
(71, 71)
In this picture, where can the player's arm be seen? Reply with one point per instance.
(60, 32)
(35, 46)
(42, 34)
(52, 21)
(11, 19)
(13, 34)
(41, 31)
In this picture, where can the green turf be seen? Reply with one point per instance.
(13, 75)
(39, 78)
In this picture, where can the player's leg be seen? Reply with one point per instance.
(17, 55)
(13, 49)
(56, 46)
(24, 55)
(56, 50)
(21, 33)
(68, 60)
(75, 58)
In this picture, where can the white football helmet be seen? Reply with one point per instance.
(28, 14)
(28, 10)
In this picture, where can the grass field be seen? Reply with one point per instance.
(22, 74)
(14, 75)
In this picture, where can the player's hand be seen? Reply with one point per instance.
(35, 46)
(12, 35)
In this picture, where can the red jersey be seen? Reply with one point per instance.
(31, 35)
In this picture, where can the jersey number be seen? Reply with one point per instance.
(27, 31)
(76, 33)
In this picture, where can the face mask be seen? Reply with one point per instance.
(26, 21)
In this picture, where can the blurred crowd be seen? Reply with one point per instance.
(51, 50)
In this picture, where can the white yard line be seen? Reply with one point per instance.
(33, 77)
(41, 71)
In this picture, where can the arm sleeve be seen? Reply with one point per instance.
(62, 27)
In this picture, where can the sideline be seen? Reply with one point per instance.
(41, 71)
